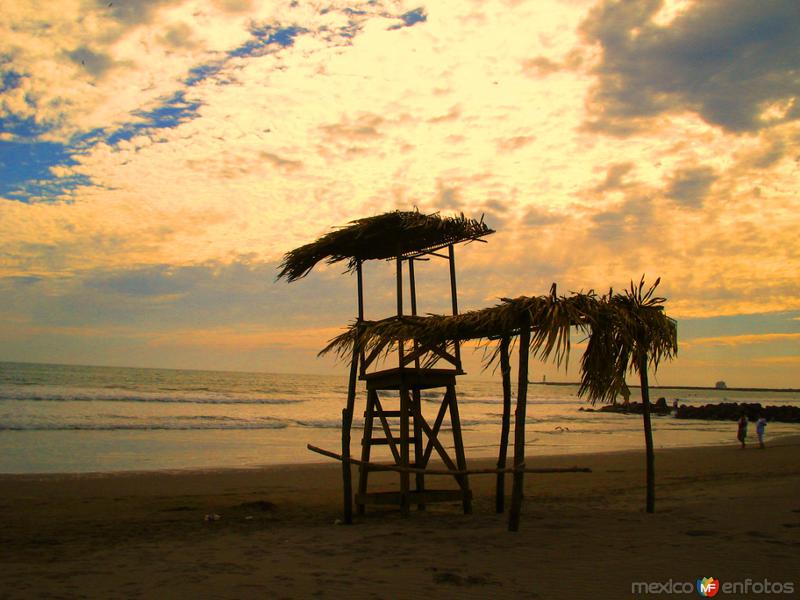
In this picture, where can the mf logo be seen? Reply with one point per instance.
(707, 587)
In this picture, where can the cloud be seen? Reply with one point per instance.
(120, 59)
(451, 115)
(280, 162)
(614, 178)
(218, 135)
(132, 13)
(729, 61)
(541, 217)
(180, 35)
(539, 66)
(690, 186)
(447, 198)
(95, 63)
(246, 339)
(630, 221)
(166, 297)
(362, 127)
(514, 143)
(741, 340)
(768, 154)
(789, 361)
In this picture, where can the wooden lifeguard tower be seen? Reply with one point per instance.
(404, 238)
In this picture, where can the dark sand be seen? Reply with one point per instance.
(720, 512)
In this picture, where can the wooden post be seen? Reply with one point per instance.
(454, 296)
(347, 423)
(416, 414)
(356, 365)
(412, 286)
(648, 435)
(400, 343)
(405, 440)
(458, 444)
(416, 409)
(363, 470)
(360, 287)
(505, 369)
(405, 447)
(399, 274)
(519, 428)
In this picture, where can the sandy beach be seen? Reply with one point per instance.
(721, 512)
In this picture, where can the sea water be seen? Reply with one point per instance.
(59, 418)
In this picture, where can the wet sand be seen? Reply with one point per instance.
(720, 512)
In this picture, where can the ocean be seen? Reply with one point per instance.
(78, 419)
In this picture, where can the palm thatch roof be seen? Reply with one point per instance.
(629, 328)
(550, 318)
(620, 329)
(392, 234)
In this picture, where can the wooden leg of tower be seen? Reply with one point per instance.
(363, 470)
(416, 410)
(405, 447)
(519, 432)
(505, 368)
(347, 423)
(461, 460)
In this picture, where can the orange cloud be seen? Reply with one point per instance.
(787, 361)
(739, 340)
(246, 338)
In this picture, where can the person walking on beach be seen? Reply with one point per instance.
(741, 434)
(760, 426)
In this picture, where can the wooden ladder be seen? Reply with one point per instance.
(412, 431)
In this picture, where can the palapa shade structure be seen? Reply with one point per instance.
(624, 332)
(403, 237)
(543, 324)
(390, 235)
(632, 331)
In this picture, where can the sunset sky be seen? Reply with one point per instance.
(157, 158)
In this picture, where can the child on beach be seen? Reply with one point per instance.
(760, 425)
(741, 434)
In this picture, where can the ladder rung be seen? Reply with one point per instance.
(385, 413)
(385, 441)
(414, 497)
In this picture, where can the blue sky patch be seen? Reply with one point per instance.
(202, 73)
(171, 113)
(411, 18)
(27, 129)
(26, 170)
(265, 36)
(9, 80)
(26, 164)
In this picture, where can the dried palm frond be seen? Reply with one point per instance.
(549, 318)
(629, 327)
(392, 234)
(620, 328)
